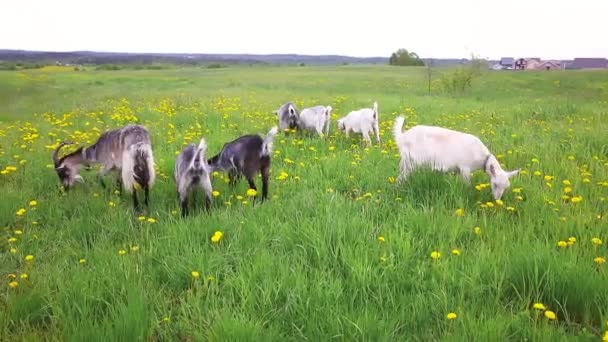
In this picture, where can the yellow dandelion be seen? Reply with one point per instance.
(251, 192)
(391, 180)
(537, 173)
(477, 230)
(451, 316)
(111, 204)
(566, 182)
(141, 218)
(455, 252)
(135, 248)
(550, 315)
(13, 284)
(596, 241)
(217, 236)
(459, 212)
(239, 198)
(215, 193)
(539, 306)
(500, 203)
(82, 261)
(567, 190)
(122, 252)
(576, 199)
(24, 276)
(562, 244)
(435, 255)
(151, 220)
(29, 257)
(571, 240)
(33, 203)
(20, 212)
(381, 238)
(13, 250)
(195, 274)
(12, 239)
(599, 260)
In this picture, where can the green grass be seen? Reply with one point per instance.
(308, 263)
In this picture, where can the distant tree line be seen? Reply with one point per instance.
(402, 57)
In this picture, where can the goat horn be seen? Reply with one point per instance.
(63, 143)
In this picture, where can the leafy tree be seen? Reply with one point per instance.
(402, 57)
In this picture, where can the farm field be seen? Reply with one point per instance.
(340, 251)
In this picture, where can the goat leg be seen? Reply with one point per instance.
(251, 183)
(265, 177)
(233, 176)
(184, 205)
(135, 201)
(118, 184)
(147, 195)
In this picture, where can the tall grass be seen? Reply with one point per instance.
(310, 263)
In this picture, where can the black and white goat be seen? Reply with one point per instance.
(192, 170)
(289, 117)
(127, 149)
(246, 156)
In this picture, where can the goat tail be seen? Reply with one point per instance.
(138, 166)
(328, 110)
(199, 154)
(398, 127)
(202, 149)
(267, 144)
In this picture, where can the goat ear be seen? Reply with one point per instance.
(513, 173)
(492, 170)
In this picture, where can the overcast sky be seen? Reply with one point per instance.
(432, 28)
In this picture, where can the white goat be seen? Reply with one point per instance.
(362, 121)
(316, 118)
(446, 150)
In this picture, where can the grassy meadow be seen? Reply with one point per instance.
(339, 252)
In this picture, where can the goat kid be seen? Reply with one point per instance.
(289, 117)
(246, 156)
(447, 150)
(362, 121)
(316, 118)
(127, 149)
(192, 170)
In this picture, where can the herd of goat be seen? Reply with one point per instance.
(128, 150)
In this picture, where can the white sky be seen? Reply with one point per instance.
(432, 28)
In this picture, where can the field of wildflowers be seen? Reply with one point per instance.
(340, 251)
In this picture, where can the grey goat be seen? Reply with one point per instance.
(192, 170)
(246, 156)
(289, 116)
(127, 149)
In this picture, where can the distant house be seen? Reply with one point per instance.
(507, 62)
(521, 63)
(589, 63)
(544, 65)
(550, 65)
